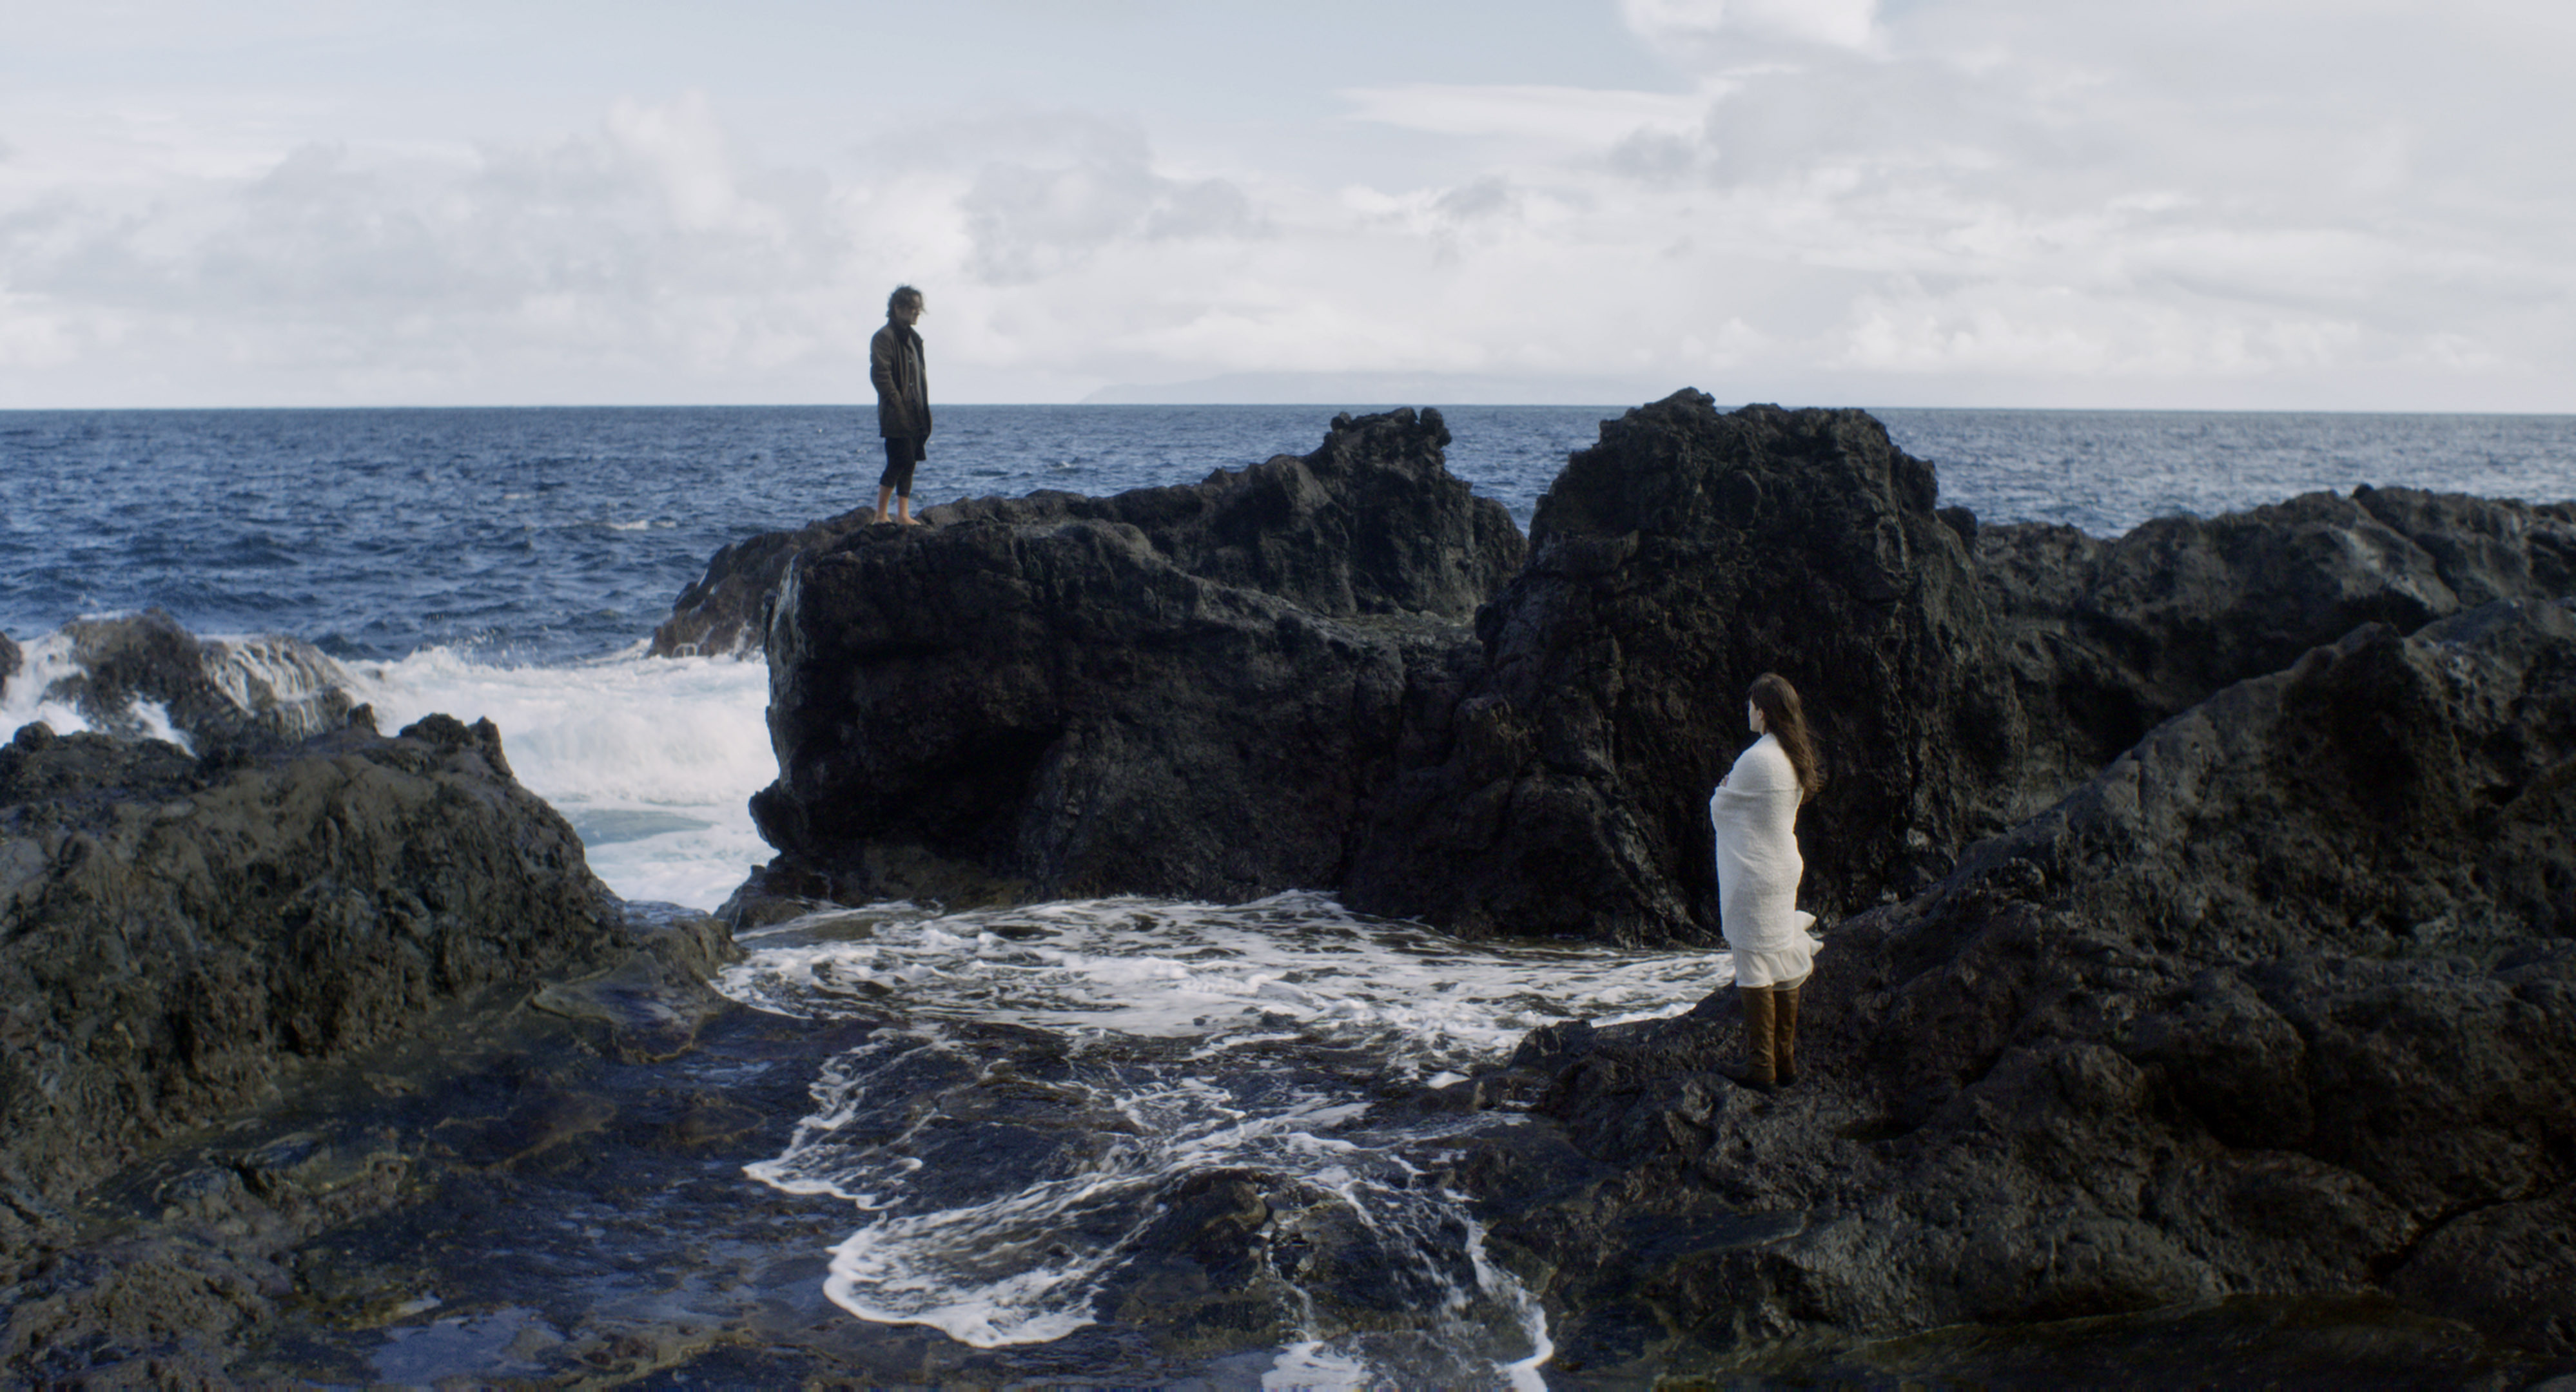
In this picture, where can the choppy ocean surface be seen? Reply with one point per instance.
(512, 563)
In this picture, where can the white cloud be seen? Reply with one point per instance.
(686, 150)
(338, 272)
(1548, 116)
(1695, 27)
(1917, 201)
(1051, 192)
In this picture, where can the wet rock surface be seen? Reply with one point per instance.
(2282, 1001)
(269, 1013)
(502, 1196)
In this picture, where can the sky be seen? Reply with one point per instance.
(2255, 204)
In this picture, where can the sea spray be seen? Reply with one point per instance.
(39, 694)
(653, 760)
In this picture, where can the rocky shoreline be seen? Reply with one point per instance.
(2200, 992)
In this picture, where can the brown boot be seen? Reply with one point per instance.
(1757, 1073)
(1784, 1034)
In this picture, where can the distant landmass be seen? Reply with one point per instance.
(1383, 389)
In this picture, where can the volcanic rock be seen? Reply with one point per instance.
(1182, 691)
(2283, 1000)
(1371, 522)
(2106, 639)
(1256, 683)
(1567, 791)
(10, 661)
(723, 612)
(178, 936)
(258, 997)
(1951, 695)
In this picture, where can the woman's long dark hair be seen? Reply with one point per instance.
(1786, 721)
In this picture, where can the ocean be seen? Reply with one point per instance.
(513, 563)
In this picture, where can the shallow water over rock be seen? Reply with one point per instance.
(1196, 1121)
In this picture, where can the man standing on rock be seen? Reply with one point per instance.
(903, 399)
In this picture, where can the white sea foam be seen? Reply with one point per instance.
(47, 660)
(1159, 969)
(1001, 1192)
(651, 759)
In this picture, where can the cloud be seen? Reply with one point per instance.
(1070, 186)
(342, 270)
(1547, 116)
(1699, 27)
(1988, 201)
(2194, 191)
(649, 255)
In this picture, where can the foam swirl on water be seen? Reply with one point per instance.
(1060, 1091)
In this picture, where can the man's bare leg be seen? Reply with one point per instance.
(885, 491)
(903, 510)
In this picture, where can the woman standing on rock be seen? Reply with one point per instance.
(1755, 813)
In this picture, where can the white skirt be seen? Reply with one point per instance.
(1786, 966)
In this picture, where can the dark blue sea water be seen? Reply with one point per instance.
(551, 535)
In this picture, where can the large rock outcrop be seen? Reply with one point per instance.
(1349, 529)
(359, 986)
(1959, 678)
(179, 936)
(1186, 691)
(2283, 1000)
(1257, 683)
(1671, 563)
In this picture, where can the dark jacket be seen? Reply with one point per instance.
(903, 392)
